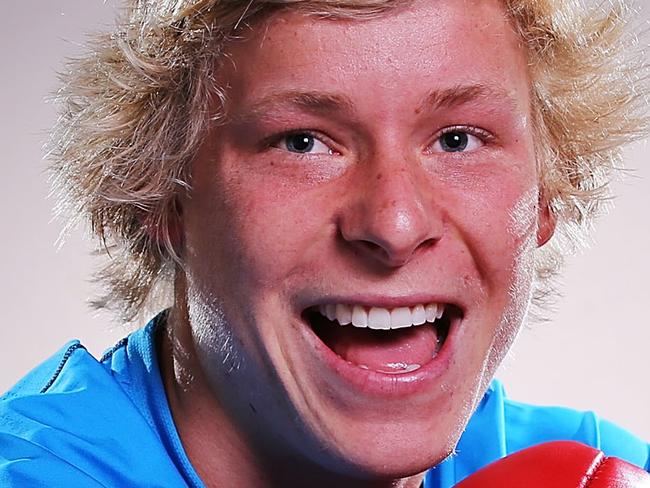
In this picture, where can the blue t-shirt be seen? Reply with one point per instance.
(76, 421)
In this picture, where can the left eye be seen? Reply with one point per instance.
(303, 143)
(457, 141)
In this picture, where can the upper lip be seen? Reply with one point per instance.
(383, 301)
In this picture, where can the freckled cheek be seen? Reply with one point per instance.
(269, 221)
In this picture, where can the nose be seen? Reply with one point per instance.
(388, 217)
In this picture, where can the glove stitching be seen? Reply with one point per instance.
(593, 476)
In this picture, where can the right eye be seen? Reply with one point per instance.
(302, 143)
(460, 139)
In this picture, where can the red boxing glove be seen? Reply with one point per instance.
(562, 464)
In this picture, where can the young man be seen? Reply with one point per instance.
(350, 201)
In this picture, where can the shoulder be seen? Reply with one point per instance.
(26, 411)
(530, 424)
(71, 420)
(501, 426)
(523, 425)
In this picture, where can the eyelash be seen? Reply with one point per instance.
(476, 131)
(482, 134)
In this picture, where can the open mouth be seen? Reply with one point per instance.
(385, 340)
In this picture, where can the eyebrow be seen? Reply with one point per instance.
(320, 103)
(323, 103)
(462, 94)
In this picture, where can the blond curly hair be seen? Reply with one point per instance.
(136, 107)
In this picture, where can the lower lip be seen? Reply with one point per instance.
(375, 384)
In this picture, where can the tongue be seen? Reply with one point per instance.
(386, 351)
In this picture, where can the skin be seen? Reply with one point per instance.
(377, 211)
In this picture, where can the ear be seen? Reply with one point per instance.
(546, 222)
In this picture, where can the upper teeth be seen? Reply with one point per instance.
(382, 318)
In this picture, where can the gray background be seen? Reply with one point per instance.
(593, 354)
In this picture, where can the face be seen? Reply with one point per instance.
(379, 172)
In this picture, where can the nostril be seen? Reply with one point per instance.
(376, 250)
(371, 246)
(391, 246)
(379, 250)
(428, 243)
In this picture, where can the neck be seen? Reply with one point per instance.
(222, 452)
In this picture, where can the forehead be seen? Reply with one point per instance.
(464, 38)
(395, 60)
